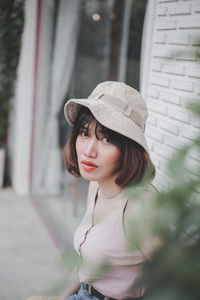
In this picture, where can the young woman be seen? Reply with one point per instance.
(107, 147)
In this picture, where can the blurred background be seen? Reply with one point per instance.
(54, 50)
(74, 45)
(65, 48)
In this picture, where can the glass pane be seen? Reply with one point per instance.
(134, 44)
(98, 44)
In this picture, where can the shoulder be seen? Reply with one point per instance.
(93, 186)
(138, 195)
(137, 198)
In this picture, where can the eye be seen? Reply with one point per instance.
(83, 133)
(106, 140)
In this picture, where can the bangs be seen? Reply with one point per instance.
(85, 118)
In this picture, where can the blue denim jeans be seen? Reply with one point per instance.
(83, 294)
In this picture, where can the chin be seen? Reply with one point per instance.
(87, 176)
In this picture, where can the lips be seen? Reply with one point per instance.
(88, 165)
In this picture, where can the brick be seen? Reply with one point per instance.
(173, 69)
(156, 66)
(170, 97)
(156, 106)
(152, 92)
(189, 22)
(153, 133)
(162, 52)
(193, 72)
(161, 10)
(194, 153)
(179, 115)
(156, 161)
(163, 151)
(192, 165)
(196, 6)
(188, 133)
(195, 122)
(168, 126)
(195, 39)
(183, 85)
(159, 38)
(197, 88)
(173, 143)
(178, 39)
(152, 120)
(150, 145)
(179, 9)
(159, 80)
(164, 164)
(165, 24)
(188, 54)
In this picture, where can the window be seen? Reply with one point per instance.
(108, 46)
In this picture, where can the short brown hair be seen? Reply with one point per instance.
(135, 162)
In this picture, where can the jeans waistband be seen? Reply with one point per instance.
(97, 294)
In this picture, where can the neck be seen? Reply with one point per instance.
(109, 189)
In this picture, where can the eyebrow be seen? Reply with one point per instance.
(83, 127)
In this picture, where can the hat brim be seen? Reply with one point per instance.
(109, 116)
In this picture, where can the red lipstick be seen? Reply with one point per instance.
(88, 165)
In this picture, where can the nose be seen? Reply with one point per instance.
(91, 148)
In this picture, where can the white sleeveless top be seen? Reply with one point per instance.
(106, 242)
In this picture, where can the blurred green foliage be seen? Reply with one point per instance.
(173, 270)
(11, 26)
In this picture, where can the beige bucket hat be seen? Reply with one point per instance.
(115, 105)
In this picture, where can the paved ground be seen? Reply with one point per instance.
(33, 233)
(62, 213)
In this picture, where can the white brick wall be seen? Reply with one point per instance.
(173, 82)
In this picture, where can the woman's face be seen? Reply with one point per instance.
(98, 158)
